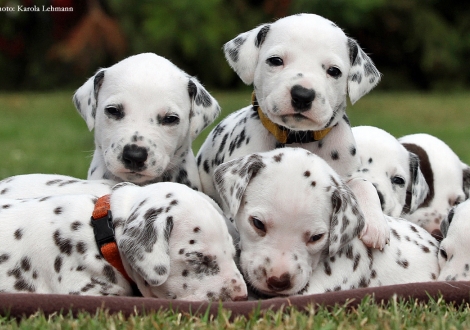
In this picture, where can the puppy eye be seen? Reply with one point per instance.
(258, 224)
(115, 112)
(315, 238)
(334, 72)
(443, 253)
(170, 120)
(398, 180)
(275, 61)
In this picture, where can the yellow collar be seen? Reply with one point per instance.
(285, 135)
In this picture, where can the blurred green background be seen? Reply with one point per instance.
(422, 48)
(417, 44)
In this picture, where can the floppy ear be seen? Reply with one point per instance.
(204, 108)
(418, 188)
(232, 178)
(466, 180)
(242, 52)
(347, 220)
(363, 75)
(446, 222)
(85, 98)
(144, 241)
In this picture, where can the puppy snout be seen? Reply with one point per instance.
(279, 283)
(134, 157)
(301, 98)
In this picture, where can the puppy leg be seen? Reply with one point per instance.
(376, 232)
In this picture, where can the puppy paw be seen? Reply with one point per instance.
(376, 232)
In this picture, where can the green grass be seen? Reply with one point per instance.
(397, 314)
(42, 132)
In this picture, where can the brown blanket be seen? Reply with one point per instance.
(18, 305)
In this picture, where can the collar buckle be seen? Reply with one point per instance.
(103, 229)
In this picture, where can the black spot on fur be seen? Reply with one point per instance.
(4, 257)
(203, 264)
(58, 264)
(76, 225)
(58, 210)
(334, 155)
(64, 244)
(26, 264)
(109, 273)
(81, 247)
(262, 35)
(18, 234)
(160, 270)
(234, 51)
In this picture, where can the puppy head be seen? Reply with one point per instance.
(393, 170)
(291, 210)
(302, 67)
(145, 112)
(453, 257)
(174, 243)
(445, 175)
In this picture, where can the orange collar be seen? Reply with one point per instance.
(285, 135)
(101, 221)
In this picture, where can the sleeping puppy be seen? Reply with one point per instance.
(393, 170)
(299, 227)
(447, 176)
(168, 239)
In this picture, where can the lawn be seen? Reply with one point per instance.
(42, 133)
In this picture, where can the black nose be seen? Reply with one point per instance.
(134, 157)
(302, 98)
(279, 283)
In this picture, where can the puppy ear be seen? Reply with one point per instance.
(418, 188)
(347, 220)
(446, 222)
(363, 75)
(85, 98)
(144, 240)
(466, 180)
(204, 108)
(242, 52)
(232, 178)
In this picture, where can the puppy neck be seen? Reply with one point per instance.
(283, 134)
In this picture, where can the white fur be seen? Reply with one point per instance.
(311, 48)
(446, 175)
(393, 170)
(454, 257)
(173, 242)
(299, 226)
(39, 185)
(145, 112)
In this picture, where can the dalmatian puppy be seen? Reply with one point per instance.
(447, 177)
(145, 112)
(39, 185)
(299, 227)
(454, 260)
(302, 67)
(172, 240)
(393, 170)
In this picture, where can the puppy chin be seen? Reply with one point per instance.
(135, 177)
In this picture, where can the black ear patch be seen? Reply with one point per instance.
(262, 35)
(353, 50)
(200, 96)
(97, 82)
(234, 50)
